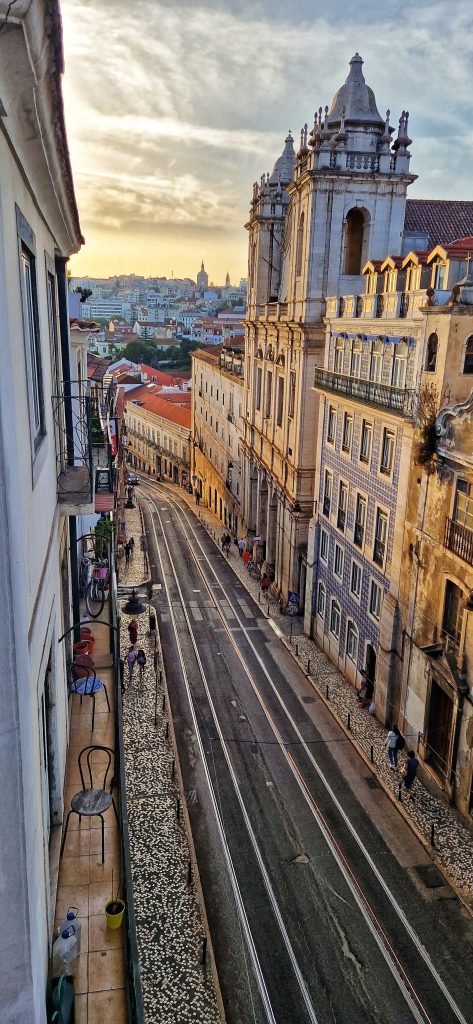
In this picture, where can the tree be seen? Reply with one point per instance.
(141, 352)
(84, 293)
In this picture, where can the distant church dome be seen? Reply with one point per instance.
(202, 278)
(284, 166)
(357, 98)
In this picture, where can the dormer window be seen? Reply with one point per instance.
(439, 276)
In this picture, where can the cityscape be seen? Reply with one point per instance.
(237, 508)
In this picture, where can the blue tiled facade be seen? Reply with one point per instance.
(379, 491)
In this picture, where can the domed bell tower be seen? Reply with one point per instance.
(268, 211)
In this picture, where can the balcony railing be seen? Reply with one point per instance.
(404, 305)
(73, 436)
(459, 539)
(396, 400)
(379, 305)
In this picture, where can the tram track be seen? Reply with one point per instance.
(406, 986)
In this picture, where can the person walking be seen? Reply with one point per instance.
(133, 631)
(127, 554)
(265, 583)
(241, 546)
(141, 659)
(394, 741)
(131, 545)
(131, 659)
(197, 497)
(410, 772)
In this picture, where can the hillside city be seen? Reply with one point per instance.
(237, 555)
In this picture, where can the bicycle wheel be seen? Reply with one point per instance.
(95, 598)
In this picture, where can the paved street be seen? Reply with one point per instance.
(322, 904)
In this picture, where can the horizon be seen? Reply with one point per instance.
(166, 140)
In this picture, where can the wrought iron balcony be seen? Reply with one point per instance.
(396, 400)
(459, 539)
(73, 432)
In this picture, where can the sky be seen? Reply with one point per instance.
(175, 107)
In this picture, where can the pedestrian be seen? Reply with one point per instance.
(394, 741)
(362, 690)
(246, 557)
(133, 631)
(131, 545)
(127, 554)
(410, 771)
(365, 701)
(141, 659)
(265, 583)
(197, 497)
(241, 546)
(131, 659)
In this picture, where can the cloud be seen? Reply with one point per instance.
(173, 110)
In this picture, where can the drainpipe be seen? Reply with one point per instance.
(61, 278)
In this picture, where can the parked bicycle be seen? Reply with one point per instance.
(97, 589)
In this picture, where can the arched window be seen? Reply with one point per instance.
(352, 642)
(300, 244)
(321, 600)
(431, 356)
(356, 238)
(468, 364)
(335, 619)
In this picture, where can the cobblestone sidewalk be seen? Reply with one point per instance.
(177, 985)
(136, 572)
(453, 839)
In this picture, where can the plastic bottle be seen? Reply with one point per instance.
(71, 918)
(65, 952)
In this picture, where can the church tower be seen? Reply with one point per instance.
(202, 278)
(227, 280)
(314, 222)
(348, 197)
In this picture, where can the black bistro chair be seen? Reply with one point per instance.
(90, 801)
(85, 683)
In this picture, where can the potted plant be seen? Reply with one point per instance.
(114, 910)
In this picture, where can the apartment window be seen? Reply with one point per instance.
(355, 580)
(347, 432)
(269, 394)
(431, 355)
(452, 611)
(292, 394)
(352, 642)
(375, 600)
(355, 363)
(280, 401)
(32, 343)
(328, 485)
(338, 356)
(387, 452)
(365, 441)
(338, 561)
(211, 390)
(259, 378)
(376, 362)
(399, 365)
(331, 424)
(323, 546)
(342, 505)
(463, 507)
(217, 394)
(360, 520)
(321, 600)
(381, 532)
(335, 619)
(468, 363)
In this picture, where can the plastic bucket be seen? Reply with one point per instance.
(114, 911)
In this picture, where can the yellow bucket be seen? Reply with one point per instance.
(114, 911)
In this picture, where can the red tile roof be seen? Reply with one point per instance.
(443, 220)
(151, 371)
(168, 411)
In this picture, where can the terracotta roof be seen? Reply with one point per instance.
(161, 378)
(168, 411)
(83, 325)
(97, 366)
(443, 220)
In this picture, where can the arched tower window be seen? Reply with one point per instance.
(431, 356)
(356, 241)
(300, 244)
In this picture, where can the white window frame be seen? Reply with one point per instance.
(359, 571)
(381, 515)
(352, 630)
(321, 599)
(338, 561)
(334, 604)
(327, 493)
(374, 586)
(331, 424)
(384, 468)
(324, 546)
(366, 426)
(347, 430)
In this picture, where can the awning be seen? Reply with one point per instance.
(104, 502)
